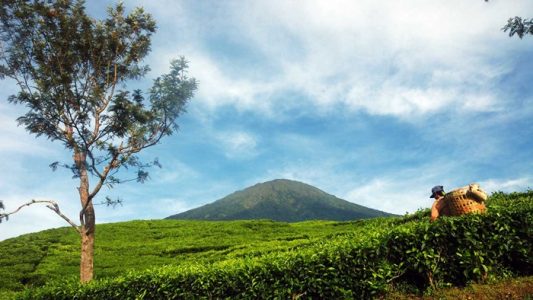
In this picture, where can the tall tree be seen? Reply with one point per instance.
(71, 71)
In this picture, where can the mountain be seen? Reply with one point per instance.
(280, 200)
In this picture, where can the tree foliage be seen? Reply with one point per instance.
(72, 73)
(70, 70)
(519, 26)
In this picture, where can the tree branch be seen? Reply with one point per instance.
(52, 205)
(93, 164)
(103, 176)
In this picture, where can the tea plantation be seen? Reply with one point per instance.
(262, 259)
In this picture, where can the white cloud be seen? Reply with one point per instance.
(173, 171)
(238, 144)
(379, 194)
(392, 195)
(402, 59)
(221, 88)
(400, 101)
(506, 185)
(164, 207)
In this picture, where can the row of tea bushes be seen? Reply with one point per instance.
(347, 266)
(411, 255)
(35, 259)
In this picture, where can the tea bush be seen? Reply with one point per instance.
(327, 271)
(376, 257)
(34, 259)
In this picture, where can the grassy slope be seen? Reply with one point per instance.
(145, 244)
(34, 259)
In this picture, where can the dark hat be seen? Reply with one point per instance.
(436, 189)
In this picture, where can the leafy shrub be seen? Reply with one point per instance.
(379, 255)
(32, 260)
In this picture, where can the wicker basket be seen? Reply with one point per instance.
(465, 200)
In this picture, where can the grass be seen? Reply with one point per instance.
(53, 255)
(37, 258)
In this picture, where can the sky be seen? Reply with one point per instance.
(372, 101)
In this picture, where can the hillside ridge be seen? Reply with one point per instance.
(280, 200)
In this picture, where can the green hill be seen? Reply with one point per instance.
(183, 259)
(51, 255)
(280, 200)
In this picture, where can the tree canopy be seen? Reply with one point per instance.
(70, 68)
(72, 73)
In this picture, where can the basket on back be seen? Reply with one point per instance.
(465, 200)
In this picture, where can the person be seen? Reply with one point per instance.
(438, 193)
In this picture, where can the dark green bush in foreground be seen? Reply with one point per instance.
(393, 254)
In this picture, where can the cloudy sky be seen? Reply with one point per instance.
(372, 101)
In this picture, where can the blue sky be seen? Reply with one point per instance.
(372, 101)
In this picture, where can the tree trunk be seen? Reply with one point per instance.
(87, 246)
(87, 220)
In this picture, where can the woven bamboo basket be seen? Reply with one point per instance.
(465, 200)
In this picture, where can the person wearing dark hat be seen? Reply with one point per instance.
(438, 193)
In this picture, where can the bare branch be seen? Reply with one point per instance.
(52, 205)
